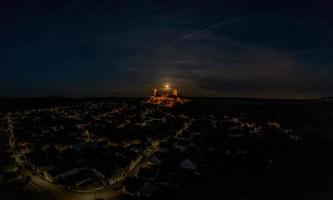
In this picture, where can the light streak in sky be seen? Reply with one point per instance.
(205, 30)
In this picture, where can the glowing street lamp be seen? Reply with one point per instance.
(167, 86)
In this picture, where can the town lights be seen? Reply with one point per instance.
(167, 86)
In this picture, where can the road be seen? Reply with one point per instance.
(59, 193)
(56, 192)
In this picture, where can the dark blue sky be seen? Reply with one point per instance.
(259, 48)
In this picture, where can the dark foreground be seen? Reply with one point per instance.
(211, 148)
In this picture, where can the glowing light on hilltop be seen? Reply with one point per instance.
(166, 96)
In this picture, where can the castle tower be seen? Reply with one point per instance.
(174, 92)
(155, 92)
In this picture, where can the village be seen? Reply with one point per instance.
(143, 149)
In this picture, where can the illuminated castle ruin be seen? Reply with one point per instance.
(166, 96)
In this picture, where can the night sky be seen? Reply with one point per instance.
(238, 48)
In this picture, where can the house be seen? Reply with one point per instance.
(118, 175)
(132, 186)
(155, 161)
(168, 180)
(148, 189)
(164, 147)
(56, 173)
(187, 164)
(182, 144)
(149, 174)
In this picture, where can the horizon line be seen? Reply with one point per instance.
(226, 97)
